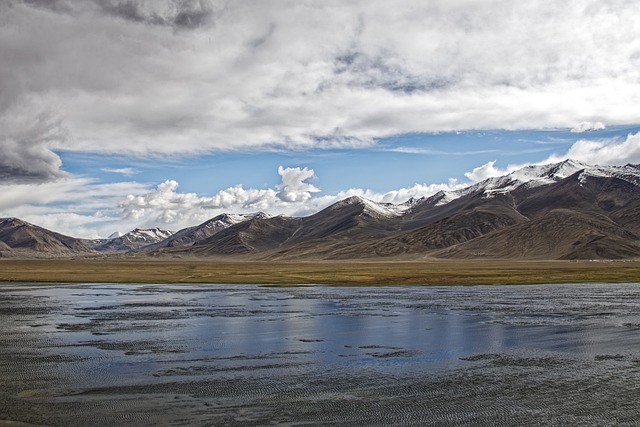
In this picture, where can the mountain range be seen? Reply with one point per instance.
(567, 210)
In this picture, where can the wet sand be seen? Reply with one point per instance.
(105, 354)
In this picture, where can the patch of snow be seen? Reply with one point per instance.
(629, 173)
(226, 220)
(374, 208)
(384, 209)
(447, 197)
(538, 175)
(150, 235)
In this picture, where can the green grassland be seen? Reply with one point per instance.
(428, 272)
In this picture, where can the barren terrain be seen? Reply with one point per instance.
(428, 272)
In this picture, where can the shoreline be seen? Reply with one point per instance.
(322, 272)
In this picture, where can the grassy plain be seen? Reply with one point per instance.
(428, 272)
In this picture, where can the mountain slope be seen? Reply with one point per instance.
(188, 236)
(255, 235)
(21, 238)
(558, 234)
(5, 250)
(355, 218)
(566, 210)
(583, 216)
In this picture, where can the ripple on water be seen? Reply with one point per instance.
(247, 355)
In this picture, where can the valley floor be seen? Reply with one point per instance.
(427, 272)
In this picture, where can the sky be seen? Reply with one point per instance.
(116, 114)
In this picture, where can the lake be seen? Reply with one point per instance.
(129, 354)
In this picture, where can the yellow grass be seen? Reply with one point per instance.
(431, 272)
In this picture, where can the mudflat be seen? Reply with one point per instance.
(428, 272)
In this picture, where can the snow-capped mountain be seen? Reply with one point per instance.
(539, 175)
(567, 210)
(385, 210)
(533, 176)
(135, 239)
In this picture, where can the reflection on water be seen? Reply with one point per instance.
(212, 354)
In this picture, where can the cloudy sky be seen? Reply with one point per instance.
(117, 114)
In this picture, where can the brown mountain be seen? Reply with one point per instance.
(348, 220)
(20, 238)
(188, 236)
(580, 217)
(563, 211)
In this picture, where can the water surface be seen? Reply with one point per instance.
(104, 354)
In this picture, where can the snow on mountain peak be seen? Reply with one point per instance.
(150, 235)
(226, 220)
(529, 176)
(374, 208)
(629, 173)
(538, 175)
(259, 215)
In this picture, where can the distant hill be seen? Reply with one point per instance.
(567, 210)
(135, 239)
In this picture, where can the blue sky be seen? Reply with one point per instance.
(392, 163)
(118, 114)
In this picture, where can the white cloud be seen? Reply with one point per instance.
(489, 170)
(121, 171)
(427, 151)
(588, 126)
(166, 206)
(294, 188)
(604, 151)
(77, 207)
(27, 132)
(166, 77)
(403, 194)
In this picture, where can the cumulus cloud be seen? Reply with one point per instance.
(398, 196)
(603, 151)
(488, 170)
(588, 126)
(168, 207)
(78, 207)
(136, 76)
(294, 189)
(25, 144)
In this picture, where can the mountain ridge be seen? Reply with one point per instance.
(565, 210)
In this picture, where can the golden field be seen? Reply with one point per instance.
(428, 272)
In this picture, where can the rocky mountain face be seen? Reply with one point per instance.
(188, 236)
(20, 238)
(567, 210)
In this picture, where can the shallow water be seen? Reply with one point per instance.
(103, 354)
